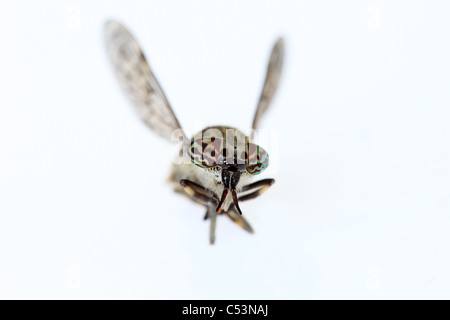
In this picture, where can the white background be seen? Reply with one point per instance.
(361, 204)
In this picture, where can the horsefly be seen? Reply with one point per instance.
(216, 166)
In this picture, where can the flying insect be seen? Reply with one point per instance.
(215, 167)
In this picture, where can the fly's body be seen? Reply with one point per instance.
(215, 167)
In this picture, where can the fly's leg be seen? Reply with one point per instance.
(212, 214)
(205, 197)
(238, 219)
(263, 185)
(198, 193)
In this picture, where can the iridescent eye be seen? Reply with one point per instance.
(204, 152)
(258, 159)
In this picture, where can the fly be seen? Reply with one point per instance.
(215, 167)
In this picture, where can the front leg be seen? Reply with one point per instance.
(238, 219)
(263, 185)
(203, 196)
(198, 193)
(212, 214)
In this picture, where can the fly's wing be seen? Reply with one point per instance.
(271, 82)
(138, 81)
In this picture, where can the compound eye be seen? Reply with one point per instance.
(204, 153)
(258, 159)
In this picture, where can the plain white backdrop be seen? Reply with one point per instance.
(361, 206)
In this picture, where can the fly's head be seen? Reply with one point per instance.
(228, 159)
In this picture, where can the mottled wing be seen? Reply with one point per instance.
(138, 81)
(271, 82)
